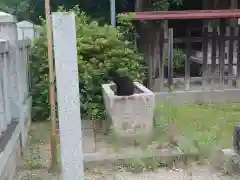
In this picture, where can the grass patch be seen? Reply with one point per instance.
(199, 129)
(207, 124)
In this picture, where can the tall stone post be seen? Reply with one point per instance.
(65, 50)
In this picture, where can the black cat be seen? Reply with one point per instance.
(124, 84)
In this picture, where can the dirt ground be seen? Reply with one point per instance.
(35, 165)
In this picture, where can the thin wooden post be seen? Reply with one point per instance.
(155, 53)
(222, 51)
(205, 58)
(238, 61)
(170, 57)
(187, 61)
(65, 48)
(230, 57)
(150, 62)
(51, 85)
(161, 60)
(214, 52)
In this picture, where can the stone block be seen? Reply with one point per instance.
(88, 141)
(130, 115)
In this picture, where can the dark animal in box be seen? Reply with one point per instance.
(124, 84)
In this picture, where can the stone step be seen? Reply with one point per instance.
(88, 141)
(161, 157)
(88, 136)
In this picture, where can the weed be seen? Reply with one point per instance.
(33, 158)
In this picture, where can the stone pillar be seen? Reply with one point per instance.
(4, 70)
(26, 30)
(8, 31)
(2, 101)
(64, 38)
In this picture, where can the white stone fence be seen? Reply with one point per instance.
(15, 98)
(28, 30)
(7, 81)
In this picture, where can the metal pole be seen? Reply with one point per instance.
(51, 82)
(113, 13)
(170, 57)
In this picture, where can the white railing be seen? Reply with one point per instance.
(4, 121)
(7, 66)
(24, 67)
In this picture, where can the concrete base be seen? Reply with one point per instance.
(200, 96)
(164, 157)
(88, 136)
(232, 161)
(131, 114)
(88, 141)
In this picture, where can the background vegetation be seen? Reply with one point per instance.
(100, 47)
(100, 10)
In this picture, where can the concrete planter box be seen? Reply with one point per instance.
(131, 114)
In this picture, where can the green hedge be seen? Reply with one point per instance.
(99, 48)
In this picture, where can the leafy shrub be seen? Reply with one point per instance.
(40, 81)
(99, 48)
(178, 60)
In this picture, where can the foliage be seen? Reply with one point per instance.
(165, 4)
(99, 48)
(22, 9)
(125, 22)
(178, 60)
(100, 10)
(40, 85)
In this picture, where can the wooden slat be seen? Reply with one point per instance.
(222, 51)
(230, 57)
(214, 51)
(238, 62)
(170, 57)
(155, 57)
(161, 58)
(188, 14)
(199, 39)
(187, 62)
(205, 58)
(150, 62)
(192, 80)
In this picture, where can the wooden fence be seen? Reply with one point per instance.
(212, 68)
(220, 56)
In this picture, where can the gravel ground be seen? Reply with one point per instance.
(38, 162)
(195, 173)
